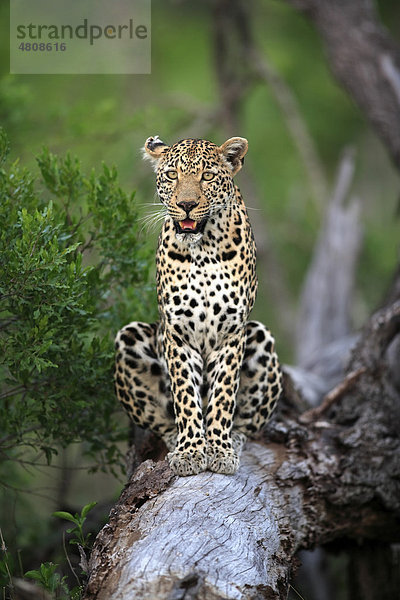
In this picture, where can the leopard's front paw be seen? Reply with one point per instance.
(238, 441)
(187, 463)
(222, 461)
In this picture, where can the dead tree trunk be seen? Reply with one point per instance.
(213, 536)
(365, 60)
(324, 316)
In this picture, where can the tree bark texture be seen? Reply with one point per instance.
(220, 537)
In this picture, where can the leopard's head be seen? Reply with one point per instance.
(195, 180)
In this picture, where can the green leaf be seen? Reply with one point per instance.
(49, 453)
(65, 515)
(72, 529)
(87, 508)
(33, 575)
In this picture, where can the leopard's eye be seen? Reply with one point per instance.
(208, 175)
(172, 174)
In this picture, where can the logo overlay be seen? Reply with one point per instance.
(75, 37)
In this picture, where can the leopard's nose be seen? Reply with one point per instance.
(187, 206)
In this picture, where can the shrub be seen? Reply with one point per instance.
(72, 271)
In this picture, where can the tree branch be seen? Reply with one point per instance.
(327, 290)
(365, 60)
(217, 537)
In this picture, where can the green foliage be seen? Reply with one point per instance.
(51, 581)
(73, 270)
(47, 577)
(6, 567)
(78, 519)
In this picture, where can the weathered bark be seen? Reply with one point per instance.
(213, 536)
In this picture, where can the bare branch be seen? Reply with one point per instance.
(327, 293)
(365, 60)
(338, 392)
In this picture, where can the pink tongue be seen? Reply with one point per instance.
(188, 224)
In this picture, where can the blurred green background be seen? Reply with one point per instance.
(107, 118)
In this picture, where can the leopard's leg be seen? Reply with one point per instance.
(142, 382)
(223, 373)
(185, 367)
(260, 384)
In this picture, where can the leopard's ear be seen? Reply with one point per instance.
(153, 150)
(233, 151)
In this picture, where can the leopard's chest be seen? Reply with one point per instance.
(205, 292)
(204, 307)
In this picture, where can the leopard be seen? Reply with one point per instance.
(203, 377)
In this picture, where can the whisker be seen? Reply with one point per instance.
(153, 218)
(149, 215)
(150, 218)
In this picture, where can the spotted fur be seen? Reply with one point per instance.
(203, 377)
